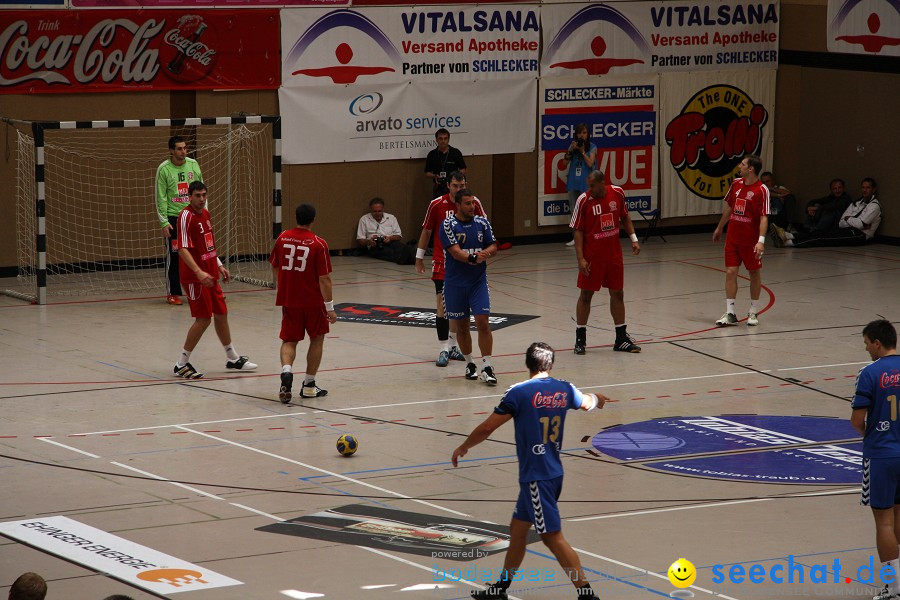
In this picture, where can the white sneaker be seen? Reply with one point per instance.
(726, 320)
(885, 594)
(487, 376)
(570, 243)
(242, 364)
(752, 319)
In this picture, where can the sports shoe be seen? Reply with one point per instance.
(187, 372)
(779, 236)
(487, 376)
(579, 347)
(311, 390)
(626, 345)
(443, 358)
(726, 320)
(885, 594)
(455, 354)
(284, 393)
(173, 300)
(570, 243)
(242, 364)
(489, 593)
(471, 371)
(752, 319)
(580, 340)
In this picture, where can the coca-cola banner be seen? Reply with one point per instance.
(709, 121)
(114, 50)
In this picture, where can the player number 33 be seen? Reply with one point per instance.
(295, 253)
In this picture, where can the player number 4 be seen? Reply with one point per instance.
(295, 253)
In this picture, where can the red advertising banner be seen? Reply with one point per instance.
(135, 50)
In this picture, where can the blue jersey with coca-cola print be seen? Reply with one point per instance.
(538, 407)
(878, 391)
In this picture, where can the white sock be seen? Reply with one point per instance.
(789, 236)
(580, 326)
(468, 358)
(754, 306)
(230, 352)
(729, 305)
(451, 340)
(894, 586)
(308, 379)
(285, 368)
(485, 361)
(183, 359)
(445, 345)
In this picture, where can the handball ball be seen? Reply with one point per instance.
(347, 445)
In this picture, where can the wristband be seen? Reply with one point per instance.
(329, 306)
(762, 240)
(633, 237)
(473, 259)
(420, 253)
(219, 260)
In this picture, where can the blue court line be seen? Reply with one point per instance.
(437, 464)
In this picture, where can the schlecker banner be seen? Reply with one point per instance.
(621, 116)
(709, 121)
(394, 44)
(871, 28)
(118, 50)
(398, 120)
(642, 37)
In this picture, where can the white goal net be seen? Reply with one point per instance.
(102, 231)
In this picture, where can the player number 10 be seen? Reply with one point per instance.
(551, 427)
(298, 253)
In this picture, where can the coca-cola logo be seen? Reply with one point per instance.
(189, 54)
(890, 380)
(555, 400)
(708, 140)
(100, 54)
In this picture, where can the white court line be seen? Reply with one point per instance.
(646, 572)
(670, 509)
(49, 441)
(850, 364)
(175, 483)
(326, 472)
(259, 512)
(189, 424)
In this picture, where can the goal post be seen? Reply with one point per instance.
(85, 206)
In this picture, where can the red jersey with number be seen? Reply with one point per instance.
(301, 258)
(748, 205)
(435, 216)
(599, 219)
(195, 233)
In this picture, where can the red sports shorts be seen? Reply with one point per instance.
(296, 322)
(206, 301)
(437, 270)
(604, 273)
(735, 255)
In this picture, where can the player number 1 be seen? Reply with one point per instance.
(551, 427)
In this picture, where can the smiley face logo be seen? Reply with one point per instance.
(682, 573)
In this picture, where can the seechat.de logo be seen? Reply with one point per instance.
(708, 140)
(580, 32)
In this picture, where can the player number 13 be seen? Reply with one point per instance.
(551, 428)
(295, 253)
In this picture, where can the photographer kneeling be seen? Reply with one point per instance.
(379, 233)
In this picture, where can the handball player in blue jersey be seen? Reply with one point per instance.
(538, 408)
(468, 242)
(875, 417)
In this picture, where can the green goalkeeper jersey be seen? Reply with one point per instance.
(172, 188)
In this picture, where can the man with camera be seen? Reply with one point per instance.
(379, 233)
(442, 161)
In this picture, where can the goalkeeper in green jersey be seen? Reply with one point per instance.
(173, 177)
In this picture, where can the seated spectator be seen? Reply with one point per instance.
(856, 226)
(29, 586)
(379, 233)
(781, 200)
(824, 213)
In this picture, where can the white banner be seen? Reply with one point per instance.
(864, 27)
(106, 553)
(408, 43)
(621, 116)
(642, 37)
(709, 121)
(394, 121)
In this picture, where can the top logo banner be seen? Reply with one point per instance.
(858, 27)
(653, 37)
(401, 44)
